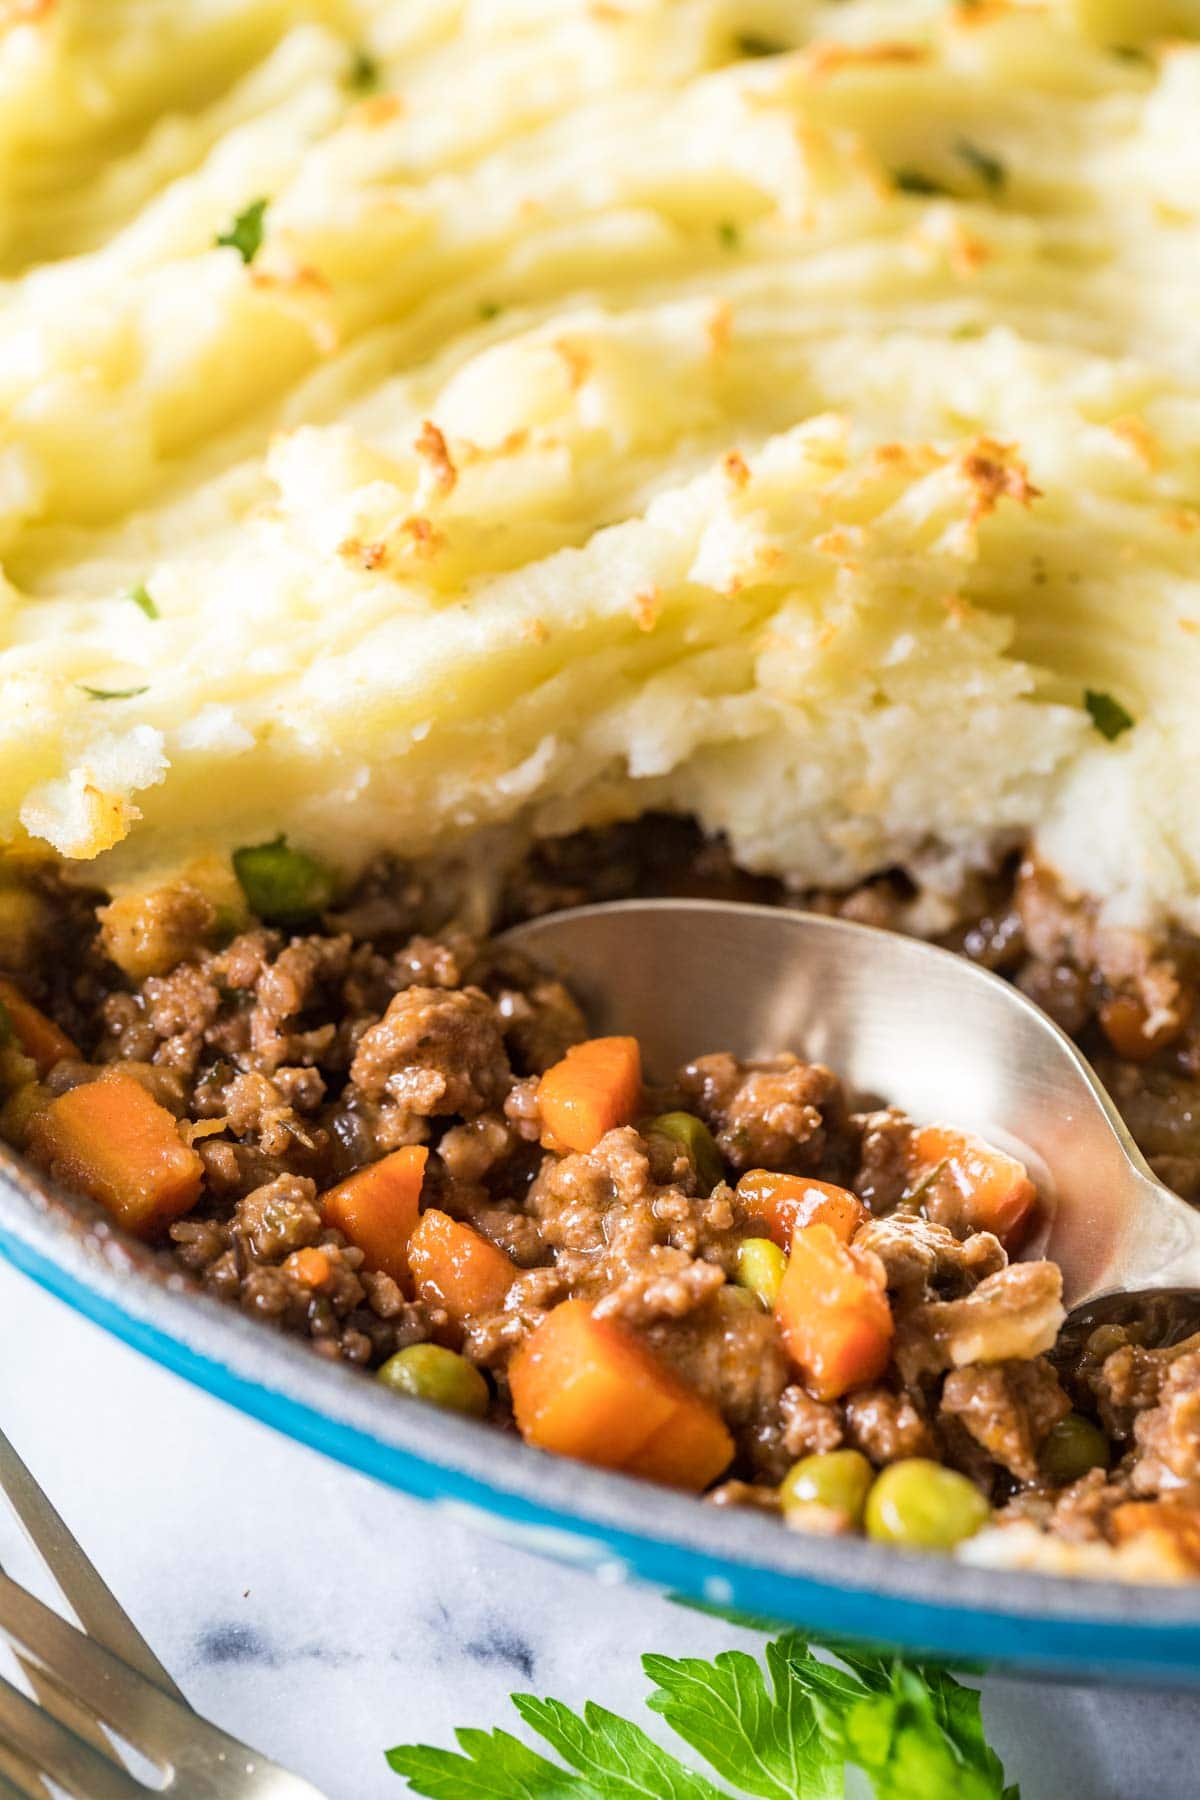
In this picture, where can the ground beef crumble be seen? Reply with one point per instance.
(291, 1060)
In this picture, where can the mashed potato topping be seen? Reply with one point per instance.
(787, 413)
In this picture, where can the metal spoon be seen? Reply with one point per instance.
(900, 1020)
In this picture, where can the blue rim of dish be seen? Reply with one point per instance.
(590, 1517)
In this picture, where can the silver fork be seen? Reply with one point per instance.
(104, 1675)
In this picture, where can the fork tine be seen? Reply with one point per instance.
(136, 1709)
(89, 1596)
(70, 1762)
(81, 1585)
(67, 1710)
(19, 1778)
(206, 1762)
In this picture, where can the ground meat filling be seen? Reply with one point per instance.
(293, 1060)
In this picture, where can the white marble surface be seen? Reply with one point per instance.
(323, 1619)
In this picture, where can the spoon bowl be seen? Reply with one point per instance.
(899, 1020)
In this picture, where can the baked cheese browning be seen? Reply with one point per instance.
(657, 424)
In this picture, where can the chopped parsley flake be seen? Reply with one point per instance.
(751, 43)
(142, 599)
(729, 234)
(246, 233)
(1108, 715)
(490, 309)
(914, 181)
(362, 77)
(95, 693)
(989, 168)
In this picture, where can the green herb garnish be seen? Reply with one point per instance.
(989, 168)
(140, 595)
(751, 43)
(490, 309)
(282, 885)
(914, 181)
(787, 1734)
(95, 693)
(1108, 715)
(728, 234)
(363, 75)
(246, 233)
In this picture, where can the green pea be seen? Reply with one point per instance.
(697, 1141)
(1073, 1447)
(282, 885)
(920, 1505)
(440, 1377)
(839, 1481)
(760, 1267)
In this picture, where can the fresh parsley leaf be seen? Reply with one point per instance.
(246, 233)
(753, 43)
(729, 234)
(918, 1736)
(770, 1742)
(142, 599)
(494, 1766)
(362, 77)
(615, 1761)
(1108, 715)
(611, 1753)
(95, 693)
(914, 181)
(911, 1728)
(989, 168)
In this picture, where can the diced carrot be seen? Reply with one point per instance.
(588, 1388)
(833, 1313)
(455, 1268)
(995, 1192)
(377, 1207)
(39, 1037)
(784, 1203)
(596, 1086)
(585, 1387)
(112, 1141)
(311, 1266)
(1124, 1019)
(689, 1451)
(1177, 1522)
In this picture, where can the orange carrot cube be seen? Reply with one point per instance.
(455, 1268)
(833, 1314)
(785, 1203)
(109, 1139)
(376, 1208)
(588, 1388)
(596, 1086)
(993, 1188)
(37, 1036)
(689, 1451)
